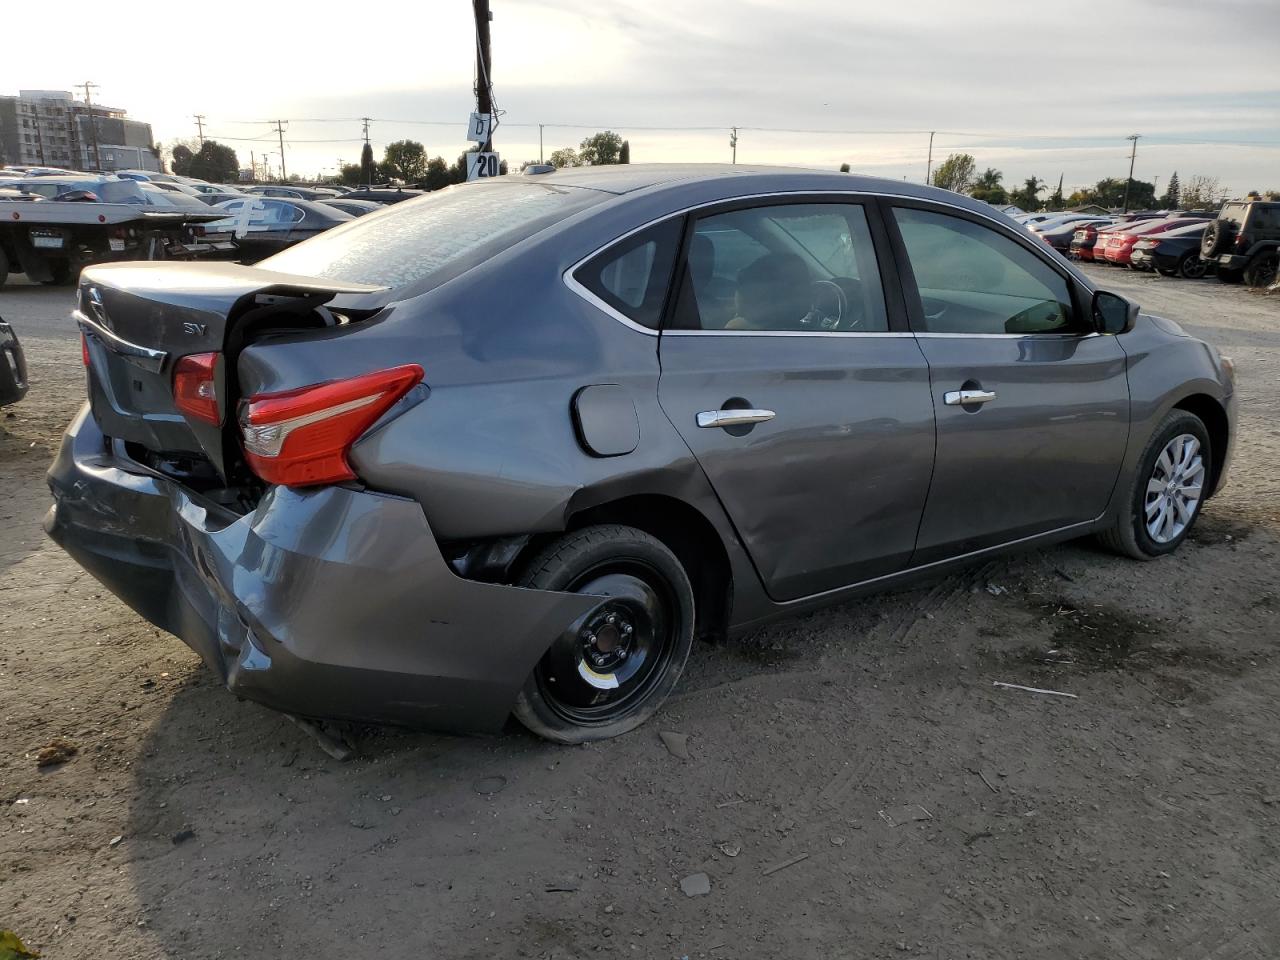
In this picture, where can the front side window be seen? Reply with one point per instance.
(800, 268)
(632, 276)
(974, 280)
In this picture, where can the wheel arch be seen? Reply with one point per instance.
(690, 535)
(1214, 417)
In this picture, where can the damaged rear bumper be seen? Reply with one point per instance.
(330, 603)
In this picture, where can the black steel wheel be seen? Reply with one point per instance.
(609, 672)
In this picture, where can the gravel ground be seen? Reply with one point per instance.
(856, 785)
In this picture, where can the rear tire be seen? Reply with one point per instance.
(1170, 470)
(4, 267)
(1191, 267)
(614, 671)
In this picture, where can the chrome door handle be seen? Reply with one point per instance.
(733, 418)
(962, 398)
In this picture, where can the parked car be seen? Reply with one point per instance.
(1060, 235)
(292, 193)
(357, 208)
(1085, 237)
(1120, 243)
(438, 466)
(1058, 220)
(213, 198)
(1173, 253)
(13, 366)
(262, 226)
(1244, 242)
(383, 194)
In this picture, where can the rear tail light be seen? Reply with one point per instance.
(301, 437)
(195, 388)
(84, 349)
(197, 231)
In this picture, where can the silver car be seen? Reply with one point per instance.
(512, 446)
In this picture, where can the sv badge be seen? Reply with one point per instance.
(195, 329)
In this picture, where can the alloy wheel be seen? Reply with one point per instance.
(1194, 268)
(1174, 489)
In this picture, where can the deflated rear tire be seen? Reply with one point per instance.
(1166, 491)
(610, 672)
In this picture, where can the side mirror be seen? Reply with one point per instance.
(1113, 314)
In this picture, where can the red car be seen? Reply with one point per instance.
(1119, 248)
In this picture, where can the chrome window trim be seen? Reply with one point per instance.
(573, 284)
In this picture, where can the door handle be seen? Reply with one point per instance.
(962, 398)
(733, 418)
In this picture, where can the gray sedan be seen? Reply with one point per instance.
(512, 446)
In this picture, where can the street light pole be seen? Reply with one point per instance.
(928, 167)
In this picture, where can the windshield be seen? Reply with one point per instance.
(429, 235)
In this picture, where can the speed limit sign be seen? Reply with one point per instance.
(481, 165)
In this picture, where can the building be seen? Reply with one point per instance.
(50, 128)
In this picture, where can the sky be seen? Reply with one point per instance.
(1043, 89)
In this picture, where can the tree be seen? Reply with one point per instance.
(989, 188)
(1201, 193)
(214, 162)
(564, 157)
(1056, 200)
(600, 149)
(955, 173)
(367, 166)
(1028, 195)
(1172, 193)
(351, 174)
(624, 155)
(405, 160)
(182, 157)
(437, 176)
(1110, 193)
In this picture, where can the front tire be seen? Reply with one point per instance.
(1261, 271)
(612, 671)
(1166, 492)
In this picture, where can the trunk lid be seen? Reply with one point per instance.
(140, 319)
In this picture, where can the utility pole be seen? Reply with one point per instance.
(280, 131)
(93, 127)
(540, 160)
(1129, 183)
(928, 167)
(366, 128)
(253, 167)
(484, 68)
(733, 142)
(200, 127)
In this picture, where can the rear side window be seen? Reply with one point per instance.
(632, 276)
(797, 268)
(429, 239)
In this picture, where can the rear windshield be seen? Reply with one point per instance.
(1234, 212)
(433, 235)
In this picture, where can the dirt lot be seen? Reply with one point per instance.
(857, 786)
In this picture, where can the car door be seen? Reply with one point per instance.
(1032, 405)
(794, 382)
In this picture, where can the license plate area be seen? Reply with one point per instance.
(48, 239)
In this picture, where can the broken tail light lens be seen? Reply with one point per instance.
(301, 437)
(195, 387)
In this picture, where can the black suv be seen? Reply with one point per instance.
(1245, 242)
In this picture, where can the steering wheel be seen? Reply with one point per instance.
(828, 307)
